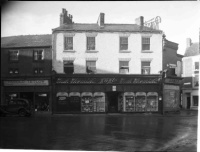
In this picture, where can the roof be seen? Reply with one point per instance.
(106, 28)
(26, 41)
(192, 50)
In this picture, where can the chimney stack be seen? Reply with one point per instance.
(101, 20)
(139, 21)
(188, 42)
(65, 18)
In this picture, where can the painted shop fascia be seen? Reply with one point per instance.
(107, 93)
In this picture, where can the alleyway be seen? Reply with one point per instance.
(101, 132)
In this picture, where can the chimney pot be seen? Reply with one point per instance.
(101, 19)
(188, 42)
(139, 21)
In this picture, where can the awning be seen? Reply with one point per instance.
(62, 94)
(140, 94)
(152, 94)
(99, 94)
(74, 94)
(86, 94)
(129, 94)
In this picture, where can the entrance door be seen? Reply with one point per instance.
(112, 102)
(188, 102)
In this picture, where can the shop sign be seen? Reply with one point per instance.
(107, 80)
(26, 83)
(173, 81)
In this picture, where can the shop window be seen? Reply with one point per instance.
(68, 67)
(90, 43)
(38, 71)
(123, 67)
(195, 101)
(41, 102)
(152, 103)
(99, 104)
(140, 103)
(145, 67)
(38, 55)
(145, 43)
(91, 66)
(87, 104)
(123, 43)
(13, 55)
(130, 103)
(68, 43)
(13, 71)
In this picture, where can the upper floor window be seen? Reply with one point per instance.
(123, 43)
(91, 66)
(145, 67)
(38, 55)
(68, 43)
(38, 71)
(68, 67)
(145, 43)
(196, 66)
(13, 71)
(90, 43)
(196, 74)
(123, 67)
(14, 55)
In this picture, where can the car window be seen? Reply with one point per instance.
(12, 102)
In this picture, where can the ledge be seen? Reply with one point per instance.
(69, 51)
(147, 51)
(91, 51)
(125, 51)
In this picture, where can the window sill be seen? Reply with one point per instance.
(69, 51)
(91, 51)
(124, 51)
(147, 51)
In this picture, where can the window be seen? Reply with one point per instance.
(90, 43)
(91, 66)
(196, 74)
(38, 55)
(123, 67)
(13, 71)
(195, 101)
(68, 43)
(123, 43)
(38, 71)
(145, 43)
(68, 67)
(145, 68)
(196, 66)
(14, 55)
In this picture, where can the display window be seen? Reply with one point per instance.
(87, 102)
(99, 102)
(140, 101)
(41, 102)
(129, 99)
(63, 102)
(152, 101)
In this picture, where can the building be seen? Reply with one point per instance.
(26, 66)
(190, 99)
(107, 67)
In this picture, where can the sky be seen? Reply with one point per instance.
(179, 19)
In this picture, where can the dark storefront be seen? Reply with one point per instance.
(37, 91)
(107, 93)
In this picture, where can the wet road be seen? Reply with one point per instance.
(98, 132)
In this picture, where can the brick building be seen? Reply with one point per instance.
(190, 99)
(26, 66)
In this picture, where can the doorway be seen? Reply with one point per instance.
(188, 102)
(112, 98)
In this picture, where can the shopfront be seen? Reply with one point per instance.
(107, 93)
(37, 91)
(171, 94)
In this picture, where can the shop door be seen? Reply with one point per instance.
(113, 102)
(75, 104)
(188, 102)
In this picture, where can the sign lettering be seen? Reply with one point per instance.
(26, 83)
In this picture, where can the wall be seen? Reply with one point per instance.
(107, 45)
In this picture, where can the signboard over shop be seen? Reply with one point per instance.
(26, 83)
(173, 81)
(112, 80)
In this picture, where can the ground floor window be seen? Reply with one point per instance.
(129, 103)
(99, 104)
(87, 104)
(195, 101)
(41, 102)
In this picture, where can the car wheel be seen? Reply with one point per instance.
(22, 113)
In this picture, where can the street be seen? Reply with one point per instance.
(101, 132)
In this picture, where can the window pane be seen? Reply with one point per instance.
(90, 43)
(123, 43)
(90, 66)
(145, 67)
(196, 65)
(14, 55)
(196, 80)
(195, 101)
(145, 64)
(145, 43)
(68, 67)
(68, 43)
(38, 54)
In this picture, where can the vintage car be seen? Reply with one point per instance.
(17, 106)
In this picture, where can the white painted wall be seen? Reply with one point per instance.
(107, 45)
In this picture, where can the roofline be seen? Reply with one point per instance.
(25, 47)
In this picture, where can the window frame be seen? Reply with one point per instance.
(11, 52)
(146, 67)
(88, 70)
(149, 44)
(126, 67)
(87, 43)
(66, 47)
(120, 43)
(42, 55)
(64, 66)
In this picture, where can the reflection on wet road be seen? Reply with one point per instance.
(96, 132)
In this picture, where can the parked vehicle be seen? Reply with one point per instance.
(17, 106)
